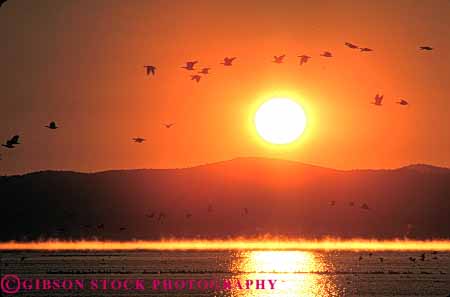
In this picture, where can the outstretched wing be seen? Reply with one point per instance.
(14, 139)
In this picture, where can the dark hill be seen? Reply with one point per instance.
(240, 197)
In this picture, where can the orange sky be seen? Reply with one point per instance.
(82, 66)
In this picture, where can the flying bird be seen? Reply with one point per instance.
(169, 125)
(327, 54)
(378, 99)
(204, 71)
(278, 59)
(196, 77)
(139, 140)
(365, 206)
(426, 48)
(402, 102)
(351, 45)
(365, 49)
(52, 126)
(11, 142)
(190, 65)
(150, 69)
(228, 61)
(303, 59)
(161, 216)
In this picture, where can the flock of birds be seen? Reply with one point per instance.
(228, 61)
(363, 206)
(422, 257)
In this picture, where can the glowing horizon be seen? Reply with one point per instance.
(235, 244)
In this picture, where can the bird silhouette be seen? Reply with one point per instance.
(204, 71)
(412, 259)
(196, 77)
(278, 59)
(304, 59)
(381, 259)
(169, 125)
(422, 257)
(190, 65)
(52, 126)
(139, 140)
(351, 45)
(360, 258)
(426, 48)
(365, 49)
(327, 54)
(11, 142)
(365, 206)
(228, 61)
(402, 102)
(150, 69)
(161, 216)
(378, 99)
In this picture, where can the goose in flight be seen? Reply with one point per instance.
(52, 126)
(11, 142)
(351, 45)
(190, 65)
(139, 140)
(365, 49)
(278, 59)
(378, 99)
(426, 48)
(365, 206)
(228, 61)
(204, 71)
(150, 69)
(304, 59)
(161, 216)
(169, 125)
(196, 77)
(327, 54)
(402, 102)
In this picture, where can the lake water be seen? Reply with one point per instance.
(296, 273)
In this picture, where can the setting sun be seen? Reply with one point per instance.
(280, 121)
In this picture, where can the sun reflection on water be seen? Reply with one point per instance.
(295, 272)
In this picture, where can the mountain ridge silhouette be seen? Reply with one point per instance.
(240, 197)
